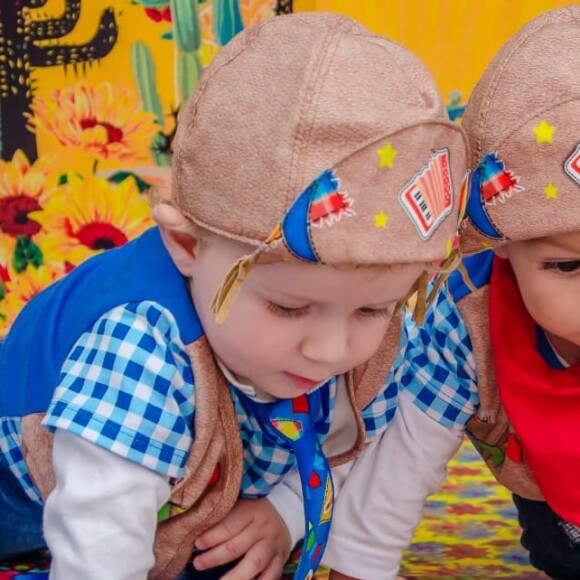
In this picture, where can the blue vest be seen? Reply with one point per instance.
(40, 339)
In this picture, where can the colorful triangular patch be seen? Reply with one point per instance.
(291, 429)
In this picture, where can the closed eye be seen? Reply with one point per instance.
(375, 312)
(287, 311)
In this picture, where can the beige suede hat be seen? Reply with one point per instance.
(311, 138)
(523, 123)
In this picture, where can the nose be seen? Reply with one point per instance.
(327, 343)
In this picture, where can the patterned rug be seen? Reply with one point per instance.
(469, 531)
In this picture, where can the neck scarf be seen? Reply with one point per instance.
(541, 402)
(294, 422)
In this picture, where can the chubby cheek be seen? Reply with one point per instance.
(256, 340)
(555, 311)
(368, 340)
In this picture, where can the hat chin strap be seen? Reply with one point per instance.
(424, 300)
(222, 300)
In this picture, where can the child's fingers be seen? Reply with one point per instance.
(253, 563)
(232, 549)
(274, 569)
(231, 526)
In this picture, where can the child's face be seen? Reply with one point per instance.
(294, 325)
(548, 275)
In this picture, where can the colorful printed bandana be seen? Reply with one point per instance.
(294, 420)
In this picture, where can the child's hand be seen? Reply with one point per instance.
(253, 531)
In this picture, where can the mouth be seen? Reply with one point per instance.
(303, 383)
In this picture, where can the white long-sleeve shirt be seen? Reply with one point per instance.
(94, 539)
(382, 500)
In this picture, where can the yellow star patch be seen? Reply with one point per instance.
(551, 191)
(486, 245)
(387, 155)
(544, 132)
(381, 219)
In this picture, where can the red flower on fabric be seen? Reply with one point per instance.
(159, 14)
(100, 236)
(14, 212)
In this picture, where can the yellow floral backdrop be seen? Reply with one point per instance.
(89, 93)
(90, 89)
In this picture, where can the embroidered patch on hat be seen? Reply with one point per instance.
(497, 183)
(572, 165)
(551, 191)
(321, 203)
(381, 219)
(544, 132)
(328, 204)
(491, 182)
(428, 197)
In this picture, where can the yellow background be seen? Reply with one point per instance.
(456, 39)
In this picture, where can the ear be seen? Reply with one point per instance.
(177, 237)
(501, 251)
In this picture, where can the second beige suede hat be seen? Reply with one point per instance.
(523, 123)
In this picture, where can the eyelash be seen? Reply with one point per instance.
(562, 267)
(287, 312)
(375, 312)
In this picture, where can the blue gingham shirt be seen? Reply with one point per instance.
(127, 386)
(437, 366)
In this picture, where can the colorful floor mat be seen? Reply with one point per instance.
(469, 531)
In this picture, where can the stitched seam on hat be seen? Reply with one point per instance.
(211, 72)
(374, 139)
(536, 114)
(309, 106)
(376, 40)
(497, 75)
(333, 34)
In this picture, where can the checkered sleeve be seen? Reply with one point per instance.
(127, 386)
(438, 366)
(379, 413)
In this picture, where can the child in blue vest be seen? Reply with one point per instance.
(251, 336)
(513, 319)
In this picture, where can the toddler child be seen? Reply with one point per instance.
(252, 333)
